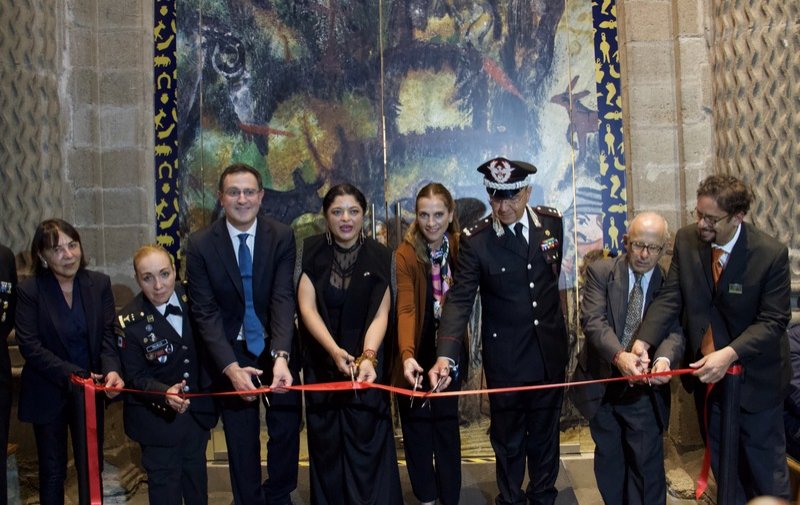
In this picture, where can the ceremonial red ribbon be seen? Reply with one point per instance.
(702, 480)
(90, 388)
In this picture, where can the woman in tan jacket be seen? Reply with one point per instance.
(425, 263)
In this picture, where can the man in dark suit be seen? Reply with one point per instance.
(791, 406)
(159, 353)
(627, 421)
(514, 257)
(8, 302)
(734, 307)
(240, 271)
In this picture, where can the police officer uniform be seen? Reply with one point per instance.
(155, 356)
(522, 329)
(8, 297)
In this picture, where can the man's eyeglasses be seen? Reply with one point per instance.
(651, 248)
(711, 220)
(235, 192)
(513, 200)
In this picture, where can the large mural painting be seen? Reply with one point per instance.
(390, 95)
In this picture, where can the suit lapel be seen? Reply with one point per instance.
(224, 247)
(535, 237)
(704, 253)
(736, 263)
(91, 305)
(262, 246)
(618, 294)
(652, 288)
(53, 299)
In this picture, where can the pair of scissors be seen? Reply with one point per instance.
(258, 381)
(435, 388)
(353, 379)
(416, 387)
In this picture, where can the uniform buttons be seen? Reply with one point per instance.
(534, 304)
(529, 266)
(494, 335)
(536, 322)
(185, 389)
(184, 347)
(185, 375)
(186, 360)
(530, 285)
(503, 269)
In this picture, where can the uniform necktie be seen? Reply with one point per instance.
(634, 316)
(252, 329)
(172, 310)
(707, 345)
(520, 238)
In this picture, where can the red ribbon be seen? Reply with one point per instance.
(702, 479)
(90, 388)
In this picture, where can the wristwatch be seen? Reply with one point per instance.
(279, 354)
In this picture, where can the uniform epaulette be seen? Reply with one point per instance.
(475, 228)
(130, 319)
(547, 211)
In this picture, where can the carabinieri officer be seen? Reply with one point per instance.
(158, 354)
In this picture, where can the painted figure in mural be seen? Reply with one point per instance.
(426, 264)
(8, 304)
(627, 421)
(514, 257)
(64, 325)
(159, 352)
(240, 287)
(344, 302)
(731, 286)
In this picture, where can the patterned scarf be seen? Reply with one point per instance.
(440, 275)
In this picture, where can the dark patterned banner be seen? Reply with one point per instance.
(609, 113)
(166, 119)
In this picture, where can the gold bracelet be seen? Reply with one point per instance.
(368, 355)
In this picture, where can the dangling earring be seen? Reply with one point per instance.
(44, 263)
(328, 236)
(363, 236)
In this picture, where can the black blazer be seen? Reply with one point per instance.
(523, 331)
(45, 375)
(604, 308)
(749, 310)
(154, 357)
(215, 287)
(8, 305)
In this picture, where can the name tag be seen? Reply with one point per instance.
(734, 289)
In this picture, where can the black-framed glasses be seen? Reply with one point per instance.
(247, 192)
(651, 248)
(711, 220)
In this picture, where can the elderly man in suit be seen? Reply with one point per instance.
(240, 271)
(730, 283)
(514, 257)
(627, 420)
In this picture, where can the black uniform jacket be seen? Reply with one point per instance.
(523, 331)
(45, 375)
(154, 357)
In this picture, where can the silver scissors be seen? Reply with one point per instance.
(436, 388)
(260, 386)
(416, 387)
(353, 379)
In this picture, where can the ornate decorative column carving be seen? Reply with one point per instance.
(756, 86)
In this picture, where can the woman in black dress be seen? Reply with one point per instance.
(344, 307)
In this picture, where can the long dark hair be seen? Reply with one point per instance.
(46, 237)
(415, 237)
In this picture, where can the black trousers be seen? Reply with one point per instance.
(51, 449)
(432, 445)
(242, 421)
(177, 474)
(524, 425)
(629, 451)
(762, 446)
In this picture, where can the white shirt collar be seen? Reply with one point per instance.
(732, 242)
(172, 300)
(235, 232)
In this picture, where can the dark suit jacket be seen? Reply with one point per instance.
(523, 330)
(749, 310)
(8, 305)
(154, 357)
(603, 312)
(45, 375)
(215, 287)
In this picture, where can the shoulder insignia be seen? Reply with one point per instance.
(477, 227)
(547, 211)
(130, 319)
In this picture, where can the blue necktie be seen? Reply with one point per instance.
(252, 329)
